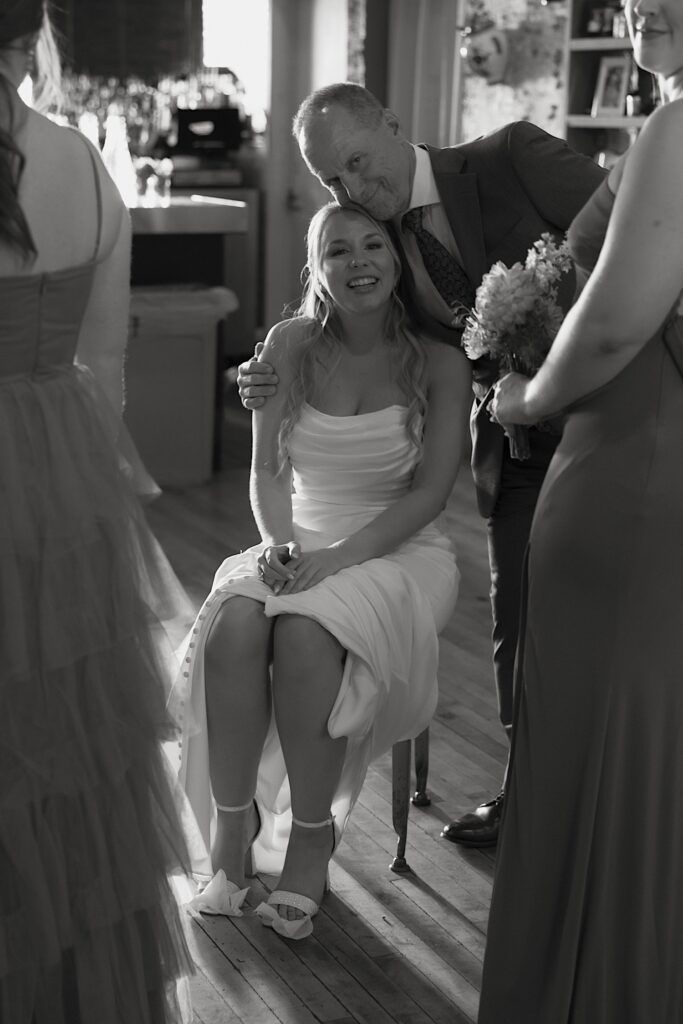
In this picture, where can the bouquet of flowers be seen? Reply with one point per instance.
(516, 316)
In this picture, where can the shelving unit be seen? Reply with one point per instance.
(584, 132)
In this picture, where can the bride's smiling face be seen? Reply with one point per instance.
(357, 267)
(656, 30)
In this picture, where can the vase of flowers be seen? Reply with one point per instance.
(516, 316)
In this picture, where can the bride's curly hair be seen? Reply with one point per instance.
(322, 349)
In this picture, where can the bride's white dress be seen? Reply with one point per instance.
(387, 613)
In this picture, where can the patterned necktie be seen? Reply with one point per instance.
(447, 275)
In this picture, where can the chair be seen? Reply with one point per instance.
(400, 791)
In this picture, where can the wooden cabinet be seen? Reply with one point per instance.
(600, 76)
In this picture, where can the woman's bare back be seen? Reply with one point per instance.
(58, 195)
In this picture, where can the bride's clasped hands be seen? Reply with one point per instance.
(287, 570)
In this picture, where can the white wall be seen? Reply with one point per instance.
(309, 46)
(329, 40)
(424, 68)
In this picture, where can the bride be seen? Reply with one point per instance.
(317, 649)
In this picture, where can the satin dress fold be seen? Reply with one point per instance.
(386, 612)
(586, 924)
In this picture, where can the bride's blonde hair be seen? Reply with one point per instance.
(322, 348)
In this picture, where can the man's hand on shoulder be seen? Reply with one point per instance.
(256, 380)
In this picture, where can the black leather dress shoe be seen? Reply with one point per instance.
(478, 827)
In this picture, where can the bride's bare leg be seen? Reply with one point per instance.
(308, 663)
(236, 660)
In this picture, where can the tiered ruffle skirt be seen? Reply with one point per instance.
(89, 832)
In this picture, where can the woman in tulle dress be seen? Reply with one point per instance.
(342, 601)
(586, 922)
(89, 929)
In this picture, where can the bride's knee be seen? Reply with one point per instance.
(301, 644)
(239, 630)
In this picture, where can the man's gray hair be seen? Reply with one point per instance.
(357, 100)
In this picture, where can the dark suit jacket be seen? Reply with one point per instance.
(500, 193)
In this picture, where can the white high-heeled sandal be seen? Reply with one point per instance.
(300, 927)
(221, 896)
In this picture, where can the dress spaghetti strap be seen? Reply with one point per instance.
(94, 157)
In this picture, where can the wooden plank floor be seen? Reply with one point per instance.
(387, 948)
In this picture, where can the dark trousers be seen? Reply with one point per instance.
(508, 535)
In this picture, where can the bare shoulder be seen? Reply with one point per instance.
(449, 376)
(653, 168)
(664, 128)
(447, 364)
(286, 342)
(114, 211)
(62, 164)
(62, 146)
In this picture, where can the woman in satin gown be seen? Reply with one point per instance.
(586, 922)
(90, 931)
(343, 599)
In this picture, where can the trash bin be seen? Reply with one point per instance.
(171, 379)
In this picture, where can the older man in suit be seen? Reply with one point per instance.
(454, 212)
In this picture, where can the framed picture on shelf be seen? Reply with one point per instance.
(611, 87)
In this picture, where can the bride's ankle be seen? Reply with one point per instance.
(317, 833)
(236, 829)
(305, 869)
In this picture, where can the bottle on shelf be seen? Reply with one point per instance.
(642, 96)
(594, 22)
(117, 158)
(600, 21)
(634, 105)
(89, 125)
(619, 27)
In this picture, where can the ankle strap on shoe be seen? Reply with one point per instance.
(312, 824)
(243, 807)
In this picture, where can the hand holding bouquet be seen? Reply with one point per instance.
(516, 316)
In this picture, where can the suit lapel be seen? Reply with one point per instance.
(460, 200)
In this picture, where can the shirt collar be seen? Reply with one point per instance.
(425, 192)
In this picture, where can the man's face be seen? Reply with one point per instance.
(372, 167)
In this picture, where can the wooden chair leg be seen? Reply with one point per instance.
(420, 797)
(400, 803)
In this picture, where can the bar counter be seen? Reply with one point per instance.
(196, 215)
